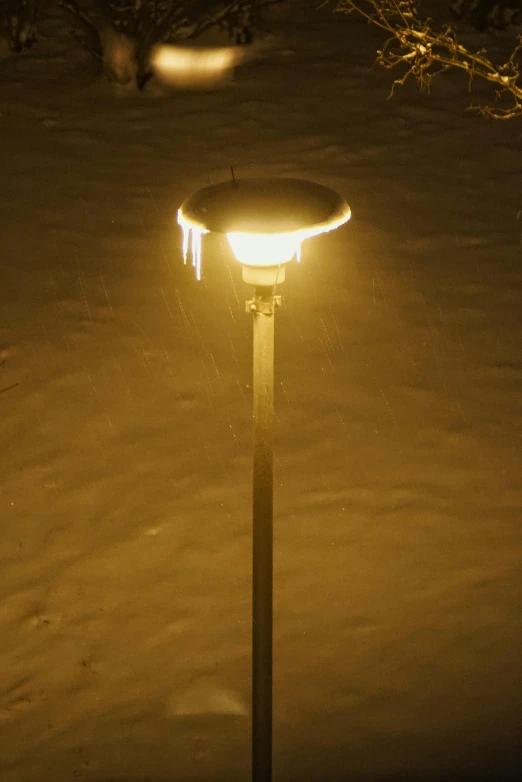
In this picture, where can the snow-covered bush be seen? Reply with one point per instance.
(18, 22)
(122, 33)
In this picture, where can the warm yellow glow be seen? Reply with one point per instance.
(185, 66)
(264, 249)
(273, 249)
(256, 249)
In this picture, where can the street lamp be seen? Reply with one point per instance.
(265, 221)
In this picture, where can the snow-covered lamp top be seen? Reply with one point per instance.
(265, 220)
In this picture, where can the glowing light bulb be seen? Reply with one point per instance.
(264, 249)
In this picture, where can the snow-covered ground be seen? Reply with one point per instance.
(125, 427)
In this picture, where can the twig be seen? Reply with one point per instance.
(8, 388)
(415, 44)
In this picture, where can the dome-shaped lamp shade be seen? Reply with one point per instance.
(265, 220)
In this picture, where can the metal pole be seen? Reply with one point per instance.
(262, 307)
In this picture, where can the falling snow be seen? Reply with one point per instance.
(125, 396)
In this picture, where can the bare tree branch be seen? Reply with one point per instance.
(90, 28)
(424, 52)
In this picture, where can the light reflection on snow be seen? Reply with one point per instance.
(195, 67)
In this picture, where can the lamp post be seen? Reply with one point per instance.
(265, 221)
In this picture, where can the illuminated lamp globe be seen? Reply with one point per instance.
(265, 221)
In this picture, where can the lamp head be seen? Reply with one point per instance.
(265, 221)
